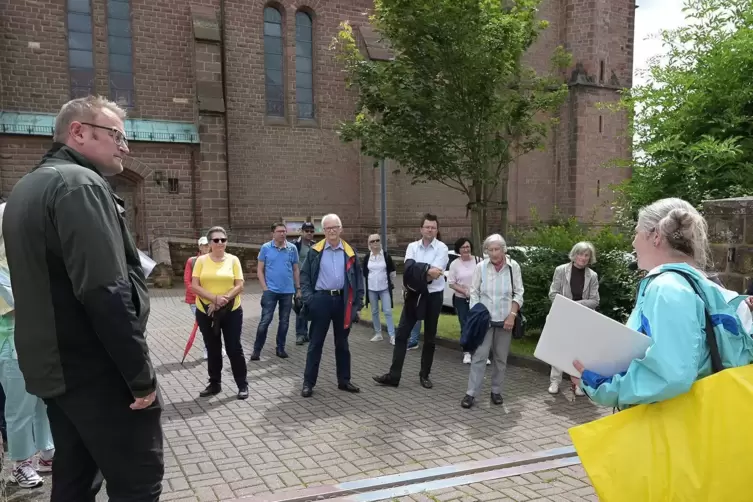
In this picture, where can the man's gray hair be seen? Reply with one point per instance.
(82, 110)
(495, 239)
(331, 216)
(584, 247)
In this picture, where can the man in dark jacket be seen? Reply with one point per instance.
(81, 311)
(332, 290)
(303, 245)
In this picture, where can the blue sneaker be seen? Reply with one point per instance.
(412, 346)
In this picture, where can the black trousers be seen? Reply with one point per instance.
(231, 326)
(407, 321)
(98, 436)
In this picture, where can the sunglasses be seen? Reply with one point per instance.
(372, 242)
(217, 240)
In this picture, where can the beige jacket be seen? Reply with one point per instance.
(561, 285)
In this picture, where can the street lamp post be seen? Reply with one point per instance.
(383, 194)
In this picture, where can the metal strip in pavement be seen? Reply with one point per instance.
(420, 477)
(440, 484)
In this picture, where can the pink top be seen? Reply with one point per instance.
(461, 272)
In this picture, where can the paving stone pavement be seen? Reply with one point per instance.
(220, 448)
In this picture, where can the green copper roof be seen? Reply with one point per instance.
(157, 131)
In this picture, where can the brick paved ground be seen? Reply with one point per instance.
(219, 448)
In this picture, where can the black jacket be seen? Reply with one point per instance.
(415, 287)
(390, 269)
(80, 293)
(475, 328)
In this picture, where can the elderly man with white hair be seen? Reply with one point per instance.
(332, 290)
(577, 281)
(498, 284)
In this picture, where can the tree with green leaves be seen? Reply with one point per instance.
(693, 120)
(456, 105)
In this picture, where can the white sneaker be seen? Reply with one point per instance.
(392, 340)
(25, 476)
(579, 392)
(467, 358)
(377, 338)
(488, 362)
(554, 388)
(42, 464)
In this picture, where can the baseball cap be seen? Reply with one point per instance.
(307, 226)
(203, 241)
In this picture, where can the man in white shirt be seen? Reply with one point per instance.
(433, 253)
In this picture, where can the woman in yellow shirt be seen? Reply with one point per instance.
(218, 283)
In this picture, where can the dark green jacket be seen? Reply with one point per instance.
(81, 298)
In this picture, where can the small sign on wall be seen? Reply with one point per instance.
(294, 224)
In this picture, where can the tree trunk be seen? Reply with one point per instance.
(478, 218)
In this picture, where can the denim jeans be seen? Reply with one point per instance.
(269, 301)
(462, 307)
(26, 415)
(374, 298)
(414, 334)
(301, 325)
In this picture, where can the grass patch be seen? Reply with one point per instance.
(449, 329)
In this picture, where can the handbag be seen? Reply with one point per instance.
(519, 328)
(695, 446)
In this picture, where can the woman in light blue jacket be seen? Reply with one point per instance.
(671, 243)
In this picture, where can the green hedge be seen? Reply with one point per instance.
(544, 247)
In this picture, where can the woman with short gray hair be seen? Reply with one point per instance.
(498, 284)
(577, 281)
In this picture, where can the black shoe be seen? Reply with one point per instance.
(282, 354)
(254, 356)
(426, 383)
(385, 380)
(306, 391)
(300, 340)
(467, 401)
(349, 387)
(243, 393)
(496, 398)
(211, 390)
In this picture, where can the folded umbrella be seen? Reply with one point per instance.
(189, 343)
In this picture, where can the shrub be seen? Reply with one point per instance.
(541, 248)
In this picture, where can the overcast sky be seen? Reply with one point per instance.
(650, 16)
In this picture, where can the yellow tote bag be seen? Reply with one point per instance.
(695, 447)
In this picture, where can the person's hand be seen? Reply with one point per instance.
(143, 402)
(749, 302)
(211, 309)
(509, 322)
(297, 293)
(435, 273)
(222, 300)
(579, 366)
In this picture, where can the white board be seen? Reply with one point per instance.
(603, 345)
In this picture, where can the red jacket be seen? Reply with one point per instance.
(188, 278)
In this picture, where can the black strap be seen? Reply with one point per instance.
(716, 358)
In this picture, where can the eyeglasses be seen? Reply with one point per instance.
(117, 135)
(309, 231)
(217, 240)
(331, 229)
(374, 241)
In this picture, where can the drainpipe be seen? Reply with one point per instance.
(223, 55)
